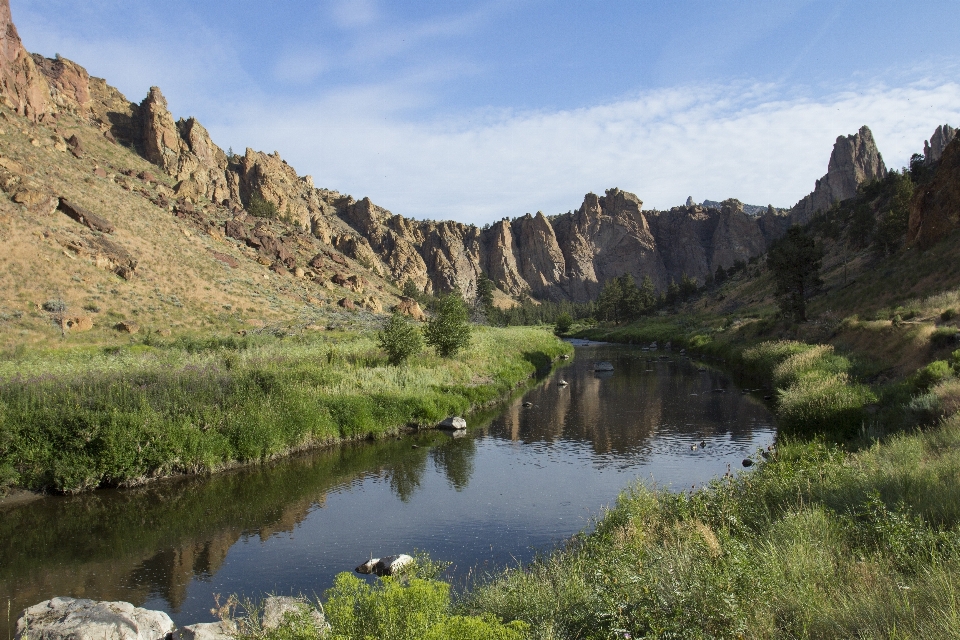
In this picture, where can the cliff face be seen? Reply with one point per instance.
(24, 88)
(855, 160)
(934, 147)
(935, 210)
(566, 257)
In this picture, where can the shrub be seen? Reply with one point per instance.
(261, 207)
(944, 336)
(398, 609)
(564, 322)
(948, 314)
(400, 339)
(448, 331)
(931, 374)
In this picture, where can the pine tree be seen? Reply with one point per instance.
(795, 263)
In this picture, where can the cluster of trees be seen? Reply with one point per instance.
(447, 331)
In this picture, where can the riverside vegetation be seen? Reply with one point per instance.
(81, 418)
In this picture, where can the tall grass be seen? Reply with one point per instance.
(78, 420)
(813, 544)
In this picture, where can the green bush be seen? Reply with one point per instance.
(931, 374)
(823, 404)
(400, 339)
(944, 336)
(261, 207)
(448, 330)
(406, 609)
(948, 314)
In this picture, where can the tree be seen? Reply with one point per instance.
(483, 303)
(448, 330)
(630, 305)
(411, 290)
(720, 276)
(400, 339)
(688, 287)
(648, 295)
(608, 302)
(261, 207)
(564, 322)
(795, 263)
(892, 229)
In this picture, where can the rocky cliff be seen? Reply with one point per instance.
(935, 210)
(854, 161)
(934, 147)
(564, 257)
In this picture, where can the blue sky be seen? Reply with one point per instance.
(478, 110)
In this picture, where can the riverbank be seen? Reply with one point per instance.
(79, 419)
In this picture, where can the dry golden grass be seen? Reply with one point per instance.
(179, 285)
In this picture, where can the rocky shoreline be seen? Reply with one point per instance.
(79, 619)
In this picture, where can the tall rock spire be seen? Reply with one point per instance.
(855, 160)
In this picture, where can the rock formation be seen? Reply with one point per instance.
(854, 161)
(933, 148)
(935, 210)
(22, 86)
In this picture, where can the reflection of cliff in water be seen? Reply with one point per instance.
(618, 413)
(153, 541)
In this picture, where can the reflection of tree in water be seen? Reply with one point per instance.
(455, 459)
(406, 473)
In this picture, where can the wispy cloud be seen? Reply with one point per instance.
(744, 141)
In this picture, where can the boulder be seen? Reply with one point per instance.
(73, 619)
(388, 566)
(347, 304)
(223, 630)
(106, 254)
(230, 261)
(85, 217)
(316, 262)
(78, 324)
(410, 307)
(127, 327)
(100, 172)
(455, 423)
(276, 607)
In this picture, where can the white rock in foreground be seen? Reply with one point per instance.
(385, 566)
(73, 619)
(453, 423)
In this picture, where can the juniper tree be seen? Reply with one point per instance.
(794, 262)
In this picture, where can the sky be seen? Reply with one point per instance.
(476, 110)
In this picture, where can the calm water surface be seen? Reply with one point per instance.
(523, 481)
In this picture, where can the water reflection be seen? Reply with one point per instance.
(523, 479)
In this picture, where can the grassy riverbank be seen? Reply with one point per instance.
(78, 419)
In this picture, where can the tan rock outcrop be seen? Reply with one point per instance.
(934, 147)
(69, 84)
(23, 87)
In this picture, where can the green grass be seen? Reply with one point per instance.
(815, 543)
(86, 418)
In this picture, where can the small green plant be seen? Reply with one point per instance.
(261, 207)
(944, 336)
(400, 339)
(448, 330)
(935, 372)
(948, 314)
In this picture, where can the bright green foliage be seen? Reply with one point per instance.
(564, 322)
(935, 372)
(795, 263)
(411, 290)
(448, 331)
(76, 420)
(400, 339)
(262, 208)
(406, 609)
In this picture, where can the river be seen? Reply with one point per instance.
(522, 479)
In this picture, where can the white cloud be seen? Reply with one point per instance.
(709, 142)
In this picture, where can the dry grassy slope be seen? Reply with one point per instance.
(855, 307)
(179, 285)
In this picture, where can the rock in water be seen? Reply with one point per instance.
(603, 366)
(385, 566)
(455, 423)
(73, 619)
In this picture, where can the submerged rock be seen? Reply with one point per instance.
(603, 366)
